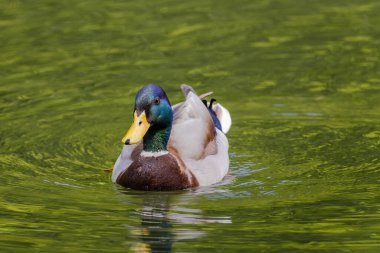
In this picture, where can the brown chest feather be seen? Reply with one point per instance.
(154, 173)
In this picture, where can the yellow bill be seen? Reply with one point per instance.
(138, 129)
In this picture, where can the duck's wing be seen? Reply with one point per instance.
(214, 167)
(127, 156)
(195, 140)
(221, 112)
(193, 131)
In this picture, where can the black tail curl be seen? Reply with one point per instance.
(212, 113)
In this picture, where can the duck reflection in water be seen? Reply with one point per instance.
(158, 215)
(155, 231)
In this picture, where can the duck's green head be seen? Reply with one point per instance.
(153, 117)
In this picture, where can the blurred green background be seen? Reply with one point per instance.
(300, 78)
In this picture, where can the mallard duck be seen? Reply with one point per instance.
(171, 148)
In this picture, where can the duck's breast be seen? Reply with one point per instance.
(155, 173)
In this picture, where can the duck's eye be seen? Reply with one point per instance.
(157, 101)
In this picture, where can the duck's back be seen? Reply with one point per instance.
(202, 147)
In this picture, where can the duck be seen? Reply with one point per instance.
(173, 147)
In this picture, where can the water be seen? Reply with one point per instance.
(301, 80)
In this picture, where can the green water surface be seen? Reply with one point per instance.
(300, 78)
